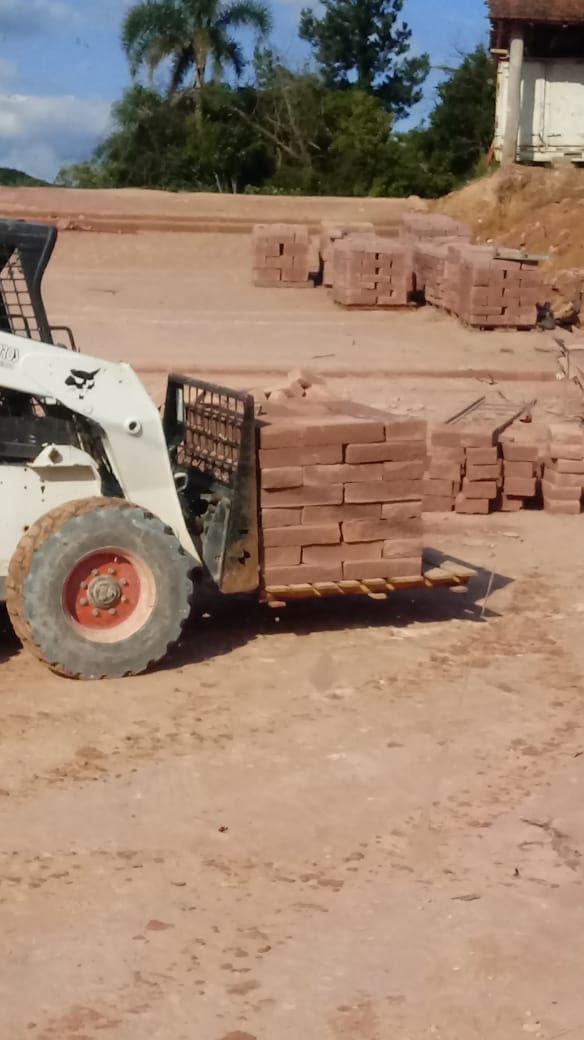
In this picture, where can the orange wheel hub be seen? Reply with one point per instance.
(104, 591)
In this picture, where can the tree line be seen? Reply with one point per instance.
(221, 124)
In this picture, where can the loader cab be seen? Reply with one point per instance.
(28, 423)
(25, 251)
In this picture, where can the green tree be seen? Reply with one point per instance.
(462, 125)
(12, 178)
(156, 143)
(364, 43)
(289, 115)
(195, 35)
(86, 174)
(147, 144)
(357, 159)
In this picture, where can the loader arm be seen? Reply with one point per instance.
(110, 395)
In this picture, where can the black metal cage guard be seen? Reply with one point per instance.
(25, 250)
(211, 434)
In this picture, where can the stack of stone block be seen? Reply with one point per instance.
(465, 470)
(456, 250)
(563, 476)
(443, 477)
(370, 271)
(281, 256)
(521, 467)
(482, 475)
(496, 293)
(430, 259)
(331, 233)
(341, 494)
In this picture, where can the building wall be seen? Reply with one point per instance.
(552, 110)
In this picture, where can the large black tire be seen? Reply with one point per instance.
(43, 576)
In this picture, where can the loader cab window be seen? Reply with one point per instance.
(4, 319)
(17, 314)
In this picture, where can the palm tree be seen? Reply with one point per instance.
(193, 34)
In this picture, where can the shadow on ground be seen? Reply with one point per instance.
(220, 624)
(9, 644)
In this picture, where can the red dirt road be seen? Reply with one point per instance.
(351, 820)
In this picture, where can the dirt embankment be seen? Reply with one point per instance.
(542, 210)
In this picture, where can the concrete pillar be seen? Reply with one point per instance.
(514, 94)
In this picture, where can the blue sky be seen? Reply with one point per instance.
(61, 66)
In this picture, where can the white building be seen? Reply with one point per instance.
(539, 45)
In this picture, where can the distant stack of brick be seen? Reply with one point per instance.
(418, 227)
(455, 253)
(331, 233)
(497, 293)
(432, 260)
(370, 271)
(563, 476)
(341, 495)
(281, 256)
(471, 282)
(430, 236)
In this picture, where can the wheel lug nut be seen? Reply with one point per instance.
(111, 570)
(95, 571)
(83, 601)
(124, 599)
(124, 581)
(95, 612)
(83, 584)
(111, 610)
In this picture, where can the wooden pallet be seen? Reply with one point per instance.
(375, 307)
(285, 285)
(446, 575)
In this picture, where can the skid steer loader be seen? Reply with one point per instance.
(110, 511)
(113, 514)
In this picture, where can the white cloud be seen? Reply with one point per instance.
(24, 17)
(7, 71)
(41, 134)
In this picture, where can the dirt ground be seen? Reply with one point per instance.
(346, 820)
(158, 210)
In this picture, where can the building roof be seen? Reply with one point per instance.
(564, 11)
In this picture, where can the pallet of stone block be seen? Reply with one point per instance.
(471, 437)
(497, 293)
(563, 474)
(341, 494)
(415, 227)
(522, 450)
(281, 256)
(370, 272)
(331, 233)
